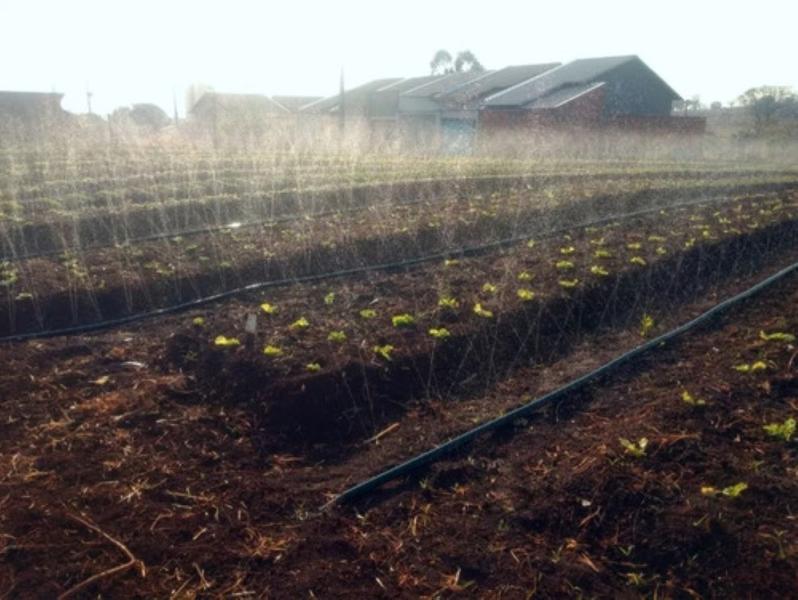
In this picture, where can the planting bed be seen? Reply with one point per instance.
(108, 440)
(46, 293)
(189, 455)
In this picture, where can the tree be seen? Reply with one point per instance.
(149, 116)
(764, 103)
(467, 59)
(441, 63)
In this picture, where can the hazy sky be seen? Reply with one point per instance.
(141, 51)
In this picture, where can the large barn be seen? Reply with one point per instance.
(611, 92)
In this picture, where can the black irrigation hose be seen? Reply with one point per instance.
(437, 453)
(392, 266)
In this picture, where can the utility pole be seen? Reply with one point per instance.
(342, 104)
(88, 98)
(174, 107)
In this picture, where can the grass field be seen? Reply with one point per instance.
(198, 352)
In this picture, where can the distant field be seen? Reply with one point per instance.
(201, 350)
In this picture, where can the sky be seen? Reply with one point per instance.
(127, 51)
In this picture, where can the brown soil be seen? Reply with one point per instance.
(101, 435)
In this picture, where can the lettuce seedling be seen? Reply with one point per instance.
(448, 303)
(601, 253)
(300, 323)
(482, 312)
(634, 245)
(568, 283)
(329, 298)
(689, 399)
(267, 308)
(783, 431)
(489, 288)
(313, 367)
(777, 337)
(272, 351)
(368, 313)
(336, 336)
(752, 368)
(384, 351)
(526, 295)
(638, 260)
(636, 449)
(567, 250)
(564, 265)
(524, 276)
(198, 321)
(403, 320)
(599, 271)
(440, 333)
(646, 325)
(226, 342)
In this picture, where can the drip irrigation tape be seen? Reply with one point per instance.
(391, 266)
(435, 454)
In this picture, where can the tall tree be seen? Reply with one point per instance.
(765, 102)
(466, 61)
(441, 63)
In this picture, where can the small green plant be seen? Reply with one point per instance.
(634, 245)
(482, 312)
(782, 431)
(657, 238)
(598, 242)
(777, 336)
(440, 333)
(451, 262)
(329, 298)
(568, 283)
(661, 251)
(489, 288)
(530, 244)
(599, 271)
(525, 295)
(524, 276)
(567, 250)
(300, 323)
(198, 321)
(226, 342)
(267, 308)
(636, 449)
(313, 367)
(638, 260)
(272, 350)
(732, 491)
(384, 351)
(403, 320)
(751, 368)
(448, 302)
(646, 325)
(564, 265)
(691, 400)
(368, 313)
(336, 336)
(601, 253)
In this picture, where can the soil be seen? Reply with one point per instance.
(108, 446)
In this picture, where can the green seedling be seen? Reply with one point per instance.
(657, 238)
(661, 251)
(567, 250)
(368, 313)
(525, 295)
(336, 336)
(329, 298)
(524, 276)
(638, 260)
(384, 351)
(568, 283)
(732, 491)
(403, 320)
(198, 321)
(482, 312)
(601, 253)
(598, 242)
(646, 325)
(226, 342)
(440, 333)
(777, 336)
(300, 323)
(451, 262)
(313, 367)
(530, 244)
(564, 265)
(599, 271)
(634, 245)
(489, 288)
(636, 449)
(272, 351)
(782, 431)
(267, 308)
(691, 400)
(751, 368)
(448, 303)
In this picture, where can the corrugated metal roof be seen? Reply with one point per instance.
(252, 102)
(493, 81)
(563, 96)
(330, 102)
(409, 83)
(585, 70)
(445, 84)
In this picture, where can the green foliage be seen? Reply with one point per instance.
(403, 320)
(524, 276)
(489, 288)
(564, 265)
(526, 295)
(690, 400)
(313, 367)
(226, 342)
(300, 323)
(384, 351)
(336, 336)
(267, 308)
(646, 325)
(198, 321)
(636, 449)
(329, 298)
(440, 333)
(568, 283)
(599, 271)
(270, 350)
(448, 302)
(638, 260)
(751, 368)
(482, 312)
(368, 313)
(777, 337)
(783, 431)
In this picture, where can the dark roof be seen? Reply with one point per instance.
(294, 103)
(409, 83)
(443, 85)
(493, 81)
(331, 102)
(575, 73)
(563, 96)
(238, 102)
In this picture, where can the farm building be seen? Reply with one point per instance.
(240, 116)
(30, 113)
(450, 110)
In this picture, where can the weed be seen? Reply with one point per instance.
(646, 325)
